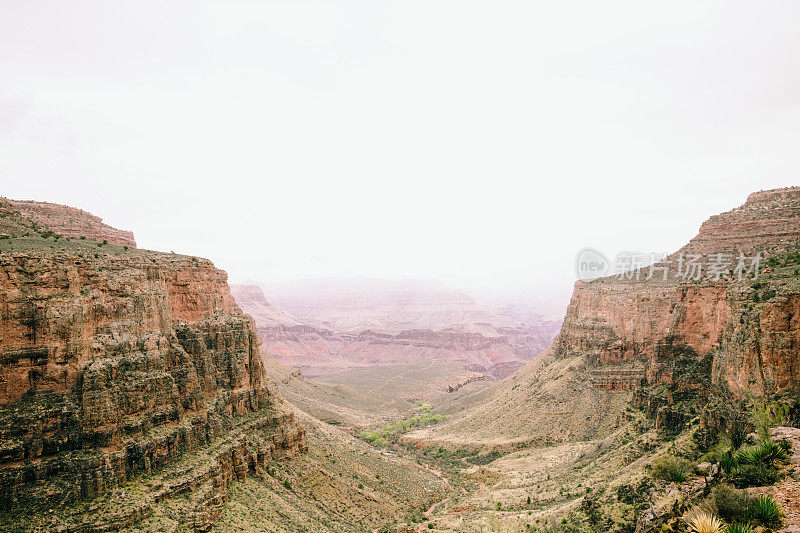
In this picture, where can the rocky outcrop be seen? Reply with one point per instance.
(769, 222)
(71, 222)
(751, 341)
(673, 341)
(116, 363)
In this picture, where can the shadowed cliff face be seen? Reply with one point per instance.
(115, 362)
(389, 323)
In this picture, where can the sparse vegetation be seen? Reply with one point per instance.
(382, 436)
(754, 475)
(672, 469)
(766, 510)
(704, 522)
(732, 505)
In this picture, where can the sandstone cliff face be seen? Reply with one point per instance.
(769, 222)
(751, 340)
(71, 222)
(118, 362)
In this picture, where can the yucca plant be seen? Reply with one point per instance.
(765, 452)
(727, 461)
(704, 522)
(766, 510)
(738, 528)
(768, 452)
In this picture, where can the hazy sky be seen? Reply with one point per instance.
(478, 143)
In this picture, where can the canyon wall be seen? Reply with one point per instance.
(664, 345)
(389, 323)
(119, 362)
(746, 328)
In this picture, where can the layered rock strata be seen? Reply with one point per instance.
(116, 363)
(399, 326)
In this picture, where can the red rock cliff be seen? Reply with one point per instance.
(641, 332)
(117, 362)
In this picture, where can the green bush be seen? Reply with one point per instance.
(672, 469)
(754, 475)
(767, 511)
(732, 505)
(727, 461)
(737, 431)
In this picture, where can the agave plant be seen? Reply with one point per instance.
(738, 528)
(766, 510)
(766, 452)
(705, 522)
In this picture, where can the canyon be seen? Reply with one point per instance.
(134, 396)
(138, 391)
(326, 326)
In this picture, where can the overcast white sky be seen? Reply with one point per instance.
(480, 143)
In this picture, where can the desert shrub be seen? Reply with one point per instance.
(704, 522)
(754, 475)
(736, 431)
(767, 511)
(768, 415)
(710, 457)
(766, 452)
(671, 469)
(567, 525)
(732, 505)
(727, 461)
